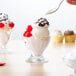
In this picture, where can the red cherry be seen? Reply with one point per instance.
(29, 28)
(27, 34)
(1, 64)
(11, 24)
(73, 2)
(24, 33)
(1, 25)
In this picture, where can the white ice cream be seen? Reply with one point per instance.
(40, 33)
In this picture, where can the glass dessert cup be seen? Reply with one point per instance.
(4, 38)
(6, 26)
(70, 61)
(37, 47)
(37, 38)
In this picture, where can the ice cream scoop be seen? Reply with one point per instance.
(40, 30)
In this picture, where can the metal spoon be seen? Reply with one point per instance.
(54, 9)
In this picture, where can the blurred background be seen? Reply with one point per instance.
(25, 12)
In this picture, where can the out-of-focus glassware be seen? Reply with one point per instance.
(70, 61)
(6, 27)
(4, 37)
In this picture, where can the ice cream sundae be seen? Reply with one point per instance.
(5, 29)
(37, 38)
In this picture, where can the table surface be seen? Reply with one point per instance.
(17, 66)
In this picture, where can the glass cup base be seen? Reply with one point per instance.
(72, 75)
(3, 50)
(34, 59)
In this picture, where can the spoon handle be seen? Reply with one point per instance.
(55, 9)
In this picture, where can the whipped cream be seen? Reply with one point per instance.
(40, 32)
(57, 33)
